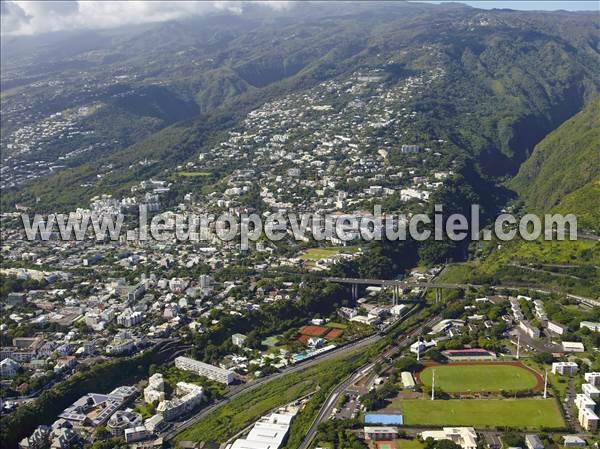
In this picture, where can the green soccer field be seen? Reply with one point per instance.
(530, 413)
(479, 378)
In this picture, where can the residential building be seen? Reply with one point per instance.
(9, 368)
(204, 369)
(530, 330)
(156, 423)
(564, 368)
(592, 378)
(136, 434)
(155, 391)
(591, 391)
(556, 328)
(238, 339)
(39, 439)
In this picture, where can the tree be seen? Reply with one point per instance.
(544, 358)
(430, 443)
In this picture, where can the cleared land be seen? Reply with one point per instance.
(492, 377)
(194, 174)
(530, 413)
(324, 253)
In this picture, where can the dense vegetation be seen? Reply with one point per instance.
(510, 78)
(566, 162)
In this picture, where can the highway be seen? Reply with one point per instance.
(237, 390)
(410, 284)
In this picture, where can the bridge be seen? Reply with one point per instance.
(398, 285)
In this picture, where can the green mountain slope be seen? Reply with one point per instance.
(563, 164)
(509, 78)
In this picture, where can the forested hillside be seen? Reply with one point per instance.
(564, 169)
(509, 79)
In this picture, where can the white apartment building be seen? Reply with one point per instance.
(204, 369)
(564, 368)
(592, 378)
(155, 391)
(129, 318)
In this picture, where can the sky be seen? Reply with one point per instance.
(34, 17)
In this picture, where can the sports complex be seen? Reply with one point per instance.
(481, 377)
(479, 394)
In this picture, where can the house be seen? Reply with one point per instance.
(533, 442)
(9, 368)
(380, 433)
(564, 368)
(466, 437)
(238, 339)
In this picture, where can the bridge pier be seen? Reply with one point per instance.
(354, 292)
(438, 295)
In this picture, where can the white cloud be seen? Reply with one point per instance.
(33, 17)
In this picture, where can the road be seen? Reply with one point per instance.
(251, 385)
(409, 284)
(332, 400)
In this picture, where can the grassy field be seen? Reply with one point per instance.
(409, 444)
(482, 378)
(324, 253)
(193, 174)
(530, 413)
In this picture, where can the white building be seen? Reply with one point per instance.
(533, 442)
(408, 382)
(9, 368)
(155, 391)
(530, 330)
(269, 432)
(136, 434)
(592, 378)
(590, 391)
(573, 346)
(556, 328)
(380, 433)
(588, 419)
(466, 437)
(594, 327)
(192, 397)
(564, 368)
(129, 318)
(238, 339)
(204, 369)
